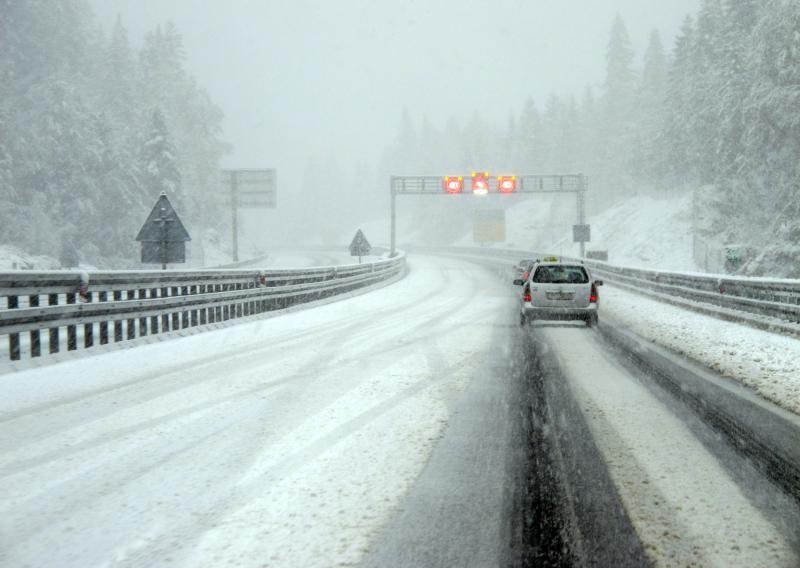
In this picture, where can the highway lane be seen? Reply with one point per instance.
(597, 465)
(287, 441)
(414, 425)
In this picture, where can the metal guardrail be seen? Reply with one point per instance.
(774, 298)
(86, 309)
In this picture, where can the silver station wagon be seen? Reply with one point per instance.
(559, 291)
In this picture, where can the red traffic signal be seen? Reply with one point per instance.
(506, 184)
(453, 184)
(480, 183)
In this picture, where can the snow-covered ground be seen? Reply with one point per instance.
(281, 442)
(12, 258)
(311, 258)
(688, 510)
(291, 441)
(767, 362)
(642, 231)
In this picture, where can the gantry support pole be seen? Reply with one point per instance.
(393, 235)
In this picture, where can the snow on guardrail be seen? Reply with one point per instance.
(762, 297)
(90, 308)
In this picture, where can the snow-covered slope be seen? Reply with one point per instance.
(12, 258)
(642, 231)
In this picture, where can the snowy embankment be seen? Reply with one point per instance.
(767, 362)
(12, 258)
(641, 231)
(282, 442)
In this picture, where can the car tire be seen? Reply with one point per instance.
(591, 321)
(523, 321)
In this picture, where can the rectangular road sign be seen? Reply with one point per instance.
(251, 188)
(581, 233)
(489, 226)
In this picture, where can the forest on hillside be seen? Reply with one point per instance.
(717, 113)
(93, 130)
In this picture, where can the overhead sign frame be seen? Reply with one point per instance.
(553, 184)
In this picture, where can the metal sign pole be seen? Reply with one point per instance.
(581, 195)
(163, 242)
(393, 235)
(235, 214)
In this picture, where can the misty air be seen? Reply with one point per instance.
(399, 284)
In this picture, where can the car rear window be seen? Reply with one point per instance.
(560, 274)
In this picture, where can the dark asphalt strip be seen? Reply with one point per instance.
(515, 481)
(563, 508)
(757, 442)
(767, 434)
(452, 515)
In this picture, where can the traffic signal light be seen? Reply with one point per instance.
(453, 184)
(506, 184)
(480, 183)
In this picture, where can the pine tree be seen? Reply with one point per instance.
(704, 119)
(772, 135)
(677, 132)
(159, 167)
(649, 148)
(619, 110)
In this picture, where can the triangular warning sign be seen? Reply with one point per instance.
(360, 245)
(163, 224)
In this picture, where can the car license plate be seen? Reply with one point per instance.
(560, 295)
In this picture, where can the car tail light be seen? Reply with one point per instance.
(526, 297)
(593, 294)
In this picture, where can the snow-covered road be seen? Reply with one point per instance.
(403, 427)
(688, 508)
(284, 442)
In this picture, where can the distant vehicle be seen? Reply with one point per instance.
(559, 291)
(524, 265)
(523, 268)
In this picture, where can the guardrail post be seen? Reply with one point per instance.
(88, 328)
(36, 343)
(164, 317)
(117, 323)
(176, 325)
(196, 311)
(72, 332)
(203, 311)
(13, 338)
(52, 300)
(131, 325)
(185, 313)
(103, 297)
(142, 295)
(216, 311)
(153, 319)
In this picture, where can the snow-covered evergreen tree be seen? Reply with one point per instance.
(649, 148)
(159, 163)
(619, 112)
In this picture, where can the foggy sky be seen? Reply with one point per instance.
(299, 77)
